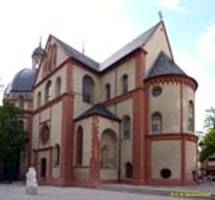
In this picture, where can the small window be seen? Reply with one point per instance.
(124, 83)
(191, 116)
(48, 91)
(79, 146)
(165, 173)
(128, 170)
(56, 155)
(38, 99)
(88, 89)
(126, 127)
(108, 91)
(156, 124)
(21, 102)
(156, 91)
(58, 87)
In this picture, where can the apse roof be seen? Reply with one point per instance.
(164, 65)
(98, 109)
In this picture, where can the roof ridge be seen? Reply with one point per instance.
(66, 47)
(134, 44)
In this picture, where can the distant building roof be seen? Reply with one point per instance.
(164, 66)
(100, 110)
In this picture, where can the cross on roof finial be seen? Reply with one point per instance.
(160, 15)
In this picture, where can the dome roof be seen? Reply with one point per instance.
(23, 81)
(38, 51)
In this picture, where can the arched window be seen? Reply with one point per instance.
(58, 87)
(191, 116)
(88, 89)
(54, 56)
(44, 134)
(124, 83)
(79, 146)
(109, 149)
(56, 155)
(48, 91)
(156, 124)
(108, 91)
(126, 127)
(38, 99)
(21, 102)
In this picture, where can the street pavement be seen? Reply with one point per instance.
(17, 192)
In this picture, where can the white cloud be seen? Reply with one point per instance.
(172, 5)
(206, 43)
(204, 96)
(100, 23)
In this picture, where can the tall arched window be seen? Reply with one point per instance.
(156, 124)
(48, 91)
(124, 83)
(191, 116)
(108, 91)
(56, 155)
(38, 99)
(88, 89)
(126, 127)
(58, 87)
(79, 146)
(53, 56)
(21, 102)
(108, 149)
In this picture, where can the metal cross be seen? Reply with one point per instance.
(160, 15)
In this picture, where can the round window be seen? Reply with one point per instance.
(156, 91)
(165, 173)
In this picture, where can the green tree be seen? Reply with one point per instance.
(12, 137)
(208, 142)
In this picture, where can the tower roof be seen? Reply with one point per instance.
(163, 65)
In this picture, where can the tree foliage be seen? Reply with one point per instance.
(12, 134)
(208, 142)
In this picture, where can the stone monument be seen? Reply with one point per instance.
(31, 181)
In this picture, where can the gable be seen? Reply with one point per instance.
(53, 58)
(158, 42)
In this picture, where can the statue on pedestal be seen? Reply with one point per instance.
(31, 181)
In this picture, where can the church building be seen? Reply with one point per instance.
(129, 119)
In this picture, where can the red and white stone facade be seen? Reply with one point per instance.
(67, 149)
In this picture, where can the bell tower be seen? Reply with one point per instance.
(37, 55)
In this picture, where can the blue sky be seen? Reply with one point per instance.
(107, 25)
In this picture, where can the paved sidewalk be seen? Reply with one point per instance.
(198, 190)
(17, 192)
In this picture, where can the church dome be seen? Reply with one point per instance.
(23, 81)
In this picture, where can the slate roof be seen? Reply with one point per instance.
(129, 48)
(163, 65)
(38, 51)
(73, 53)
(98, 109)
(126, 50)
(23, 80)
